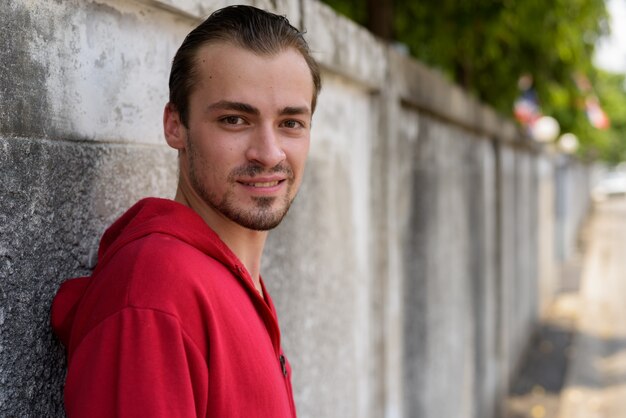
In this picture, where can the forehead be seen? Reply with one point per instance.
(224, 69)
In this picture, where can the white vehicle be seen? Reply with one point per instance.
(613, 184)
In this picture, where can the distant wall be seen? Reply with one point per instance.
(424, 243)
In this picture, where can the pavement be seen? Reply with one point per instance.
(575, 366)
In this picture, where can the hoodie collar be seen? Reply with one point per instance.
(156, 215)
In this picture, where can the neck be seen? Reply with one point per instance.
(245, 243)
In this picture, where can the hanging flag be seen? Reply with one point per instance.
(596, 115)
(526, 107)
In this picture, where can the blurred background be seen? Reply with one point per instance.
(528, 59)
(558, 69)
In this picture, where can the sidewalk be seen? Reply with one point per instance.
(576, 364)
(595, 386)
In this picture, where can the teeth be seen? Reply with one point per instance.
(265, 184)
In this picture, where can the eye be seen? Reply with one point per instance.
(292, 124)
(232, 120)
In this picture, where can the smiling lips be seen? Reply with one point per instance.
(262, 184)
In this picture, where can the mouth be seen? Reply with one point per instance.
(262, 183)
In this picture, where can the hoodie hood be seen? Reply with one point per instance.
(169, 324)
(148, 216)
(154, 215)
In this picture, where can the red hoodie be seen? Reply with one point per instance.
(170, 325)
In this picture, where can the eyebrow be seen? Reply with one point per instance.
(238, 106)
(251, 110)
(294, 111)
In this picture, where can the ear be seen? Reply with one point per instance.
(173, 128)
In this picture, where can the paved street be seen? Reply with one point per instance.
(576, 365)
(595, 386)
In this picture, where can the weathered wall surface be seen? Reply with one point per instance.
(425, 239)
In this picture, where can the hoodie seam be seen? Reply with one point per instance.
(140, 308)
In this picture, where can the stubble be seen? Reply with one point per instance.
(261, 216)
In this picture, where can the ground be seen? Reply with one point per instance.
(575, 365)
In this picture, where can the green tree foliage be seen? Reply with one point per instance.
(610, 144)
(485, 45)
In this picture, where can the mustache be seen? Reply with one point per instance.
(252, 170)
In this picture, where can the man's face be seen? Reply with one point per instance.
(248, 133)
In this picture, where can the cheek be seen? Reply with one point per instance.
(299, 153)
(225, 152)
(207, 152)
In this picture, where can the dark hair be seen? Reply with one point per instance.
(254, 29)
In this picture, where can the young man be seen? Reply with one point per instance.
(175, 320)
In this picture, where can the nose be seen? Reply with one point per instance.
(265, 147)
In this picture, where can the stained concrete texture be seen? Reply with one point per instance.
(56, 201)
(200, 9)
(450, 273)
(85, 70)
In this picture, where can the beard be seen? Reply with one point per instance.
(264, 214)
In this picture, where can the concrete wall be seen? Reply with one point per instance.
(410, 270)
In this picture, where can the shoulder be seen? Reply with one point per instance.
(157, 272)
(161, 267)
(163, 254)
